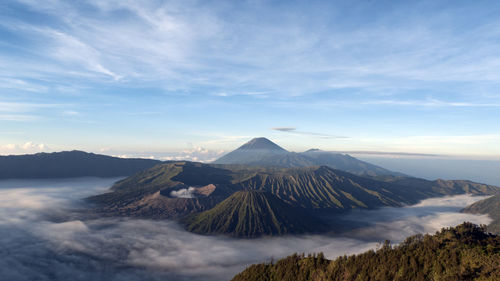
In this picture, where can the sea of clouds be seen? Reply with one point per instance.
(44, 235)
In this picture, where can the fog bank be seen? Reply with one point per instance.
(43, 237)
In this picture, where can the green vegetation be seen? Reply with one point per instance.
(464, 252)
(252, 214)
(148, 194)
(311, 188)
(490, 206)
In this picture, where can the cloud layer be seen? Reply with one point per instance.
(43, 237)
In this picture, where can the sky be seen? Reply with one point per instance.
(197, 79)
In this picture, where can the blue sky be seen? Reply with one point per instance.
(198, 78)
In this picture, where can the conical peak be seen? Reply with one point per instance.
(261, 144)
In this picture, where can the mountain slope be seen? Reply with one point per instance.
(252, 151)
(346, 163)
(490, 206)
(464, 252)
(153, 193)
(263, 152)
(309, 187)
(326, 188)
(261, 144)
(443, 187)
(252, 214)
(69, 164)
(149, 193)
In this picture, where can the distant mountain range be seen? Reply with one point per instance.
(264, 153)
(464, 252)
(257, 152)
(69, 164)
(179, 189)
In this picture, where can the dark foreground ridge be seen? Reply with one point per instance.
(69, 164)
(464, 252)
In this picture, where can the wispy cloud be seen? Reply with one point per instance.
(70, 49)
(23, 106)
(294, 130)
(25, 111)
(431, 103)
(70, 113)
(237, 61)
(17, 117)
(184, 45)
(19, 84)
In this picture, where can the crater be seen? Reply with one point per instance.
(183, 191)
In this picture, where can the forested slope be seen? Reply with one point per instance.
(464, 252)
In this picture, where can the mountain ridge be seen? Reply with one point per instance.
(263, 152)
(150, 193)
(67, 164)
(490, 206)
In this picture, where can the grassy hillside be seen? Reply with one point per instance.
(252, 214)
(490, 206)
(464, 252)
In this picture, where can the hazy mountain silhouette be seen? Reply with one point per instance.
(69, 164)
(263, 152)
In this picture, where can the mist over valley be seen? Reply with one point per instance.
(46, 235)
